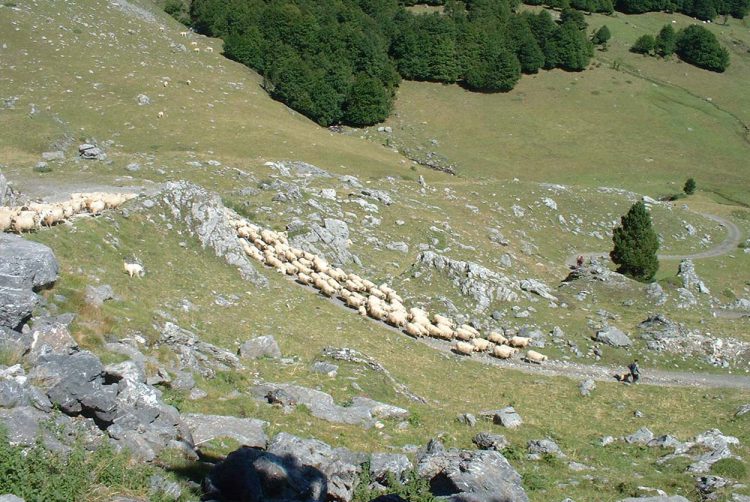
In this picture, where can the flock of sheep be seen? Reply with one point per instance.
(378, 302)
(272, 248)
(35, 215)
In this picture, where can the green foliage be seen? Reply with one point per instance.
(178, 10)
(636, 244)
(39, 474)
(601, 36)
(341, 61)
(689, 187)
(730, 468)
(644, 45)
(666, 41)
(698, 46)
(701, 9)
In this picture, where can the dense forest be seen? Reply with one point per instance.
(340, 61)
(694, 44)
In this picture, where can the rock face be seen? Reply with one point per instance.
(207, 218)
(488, 441)
(544, 447)
(641, 436)
(292, 469)
(25, 267)
(537, 287)
(195, 354)
(690, 279)
(658, 498)
(262, 346)
(330, 240)
(466, 475)
(91, 152)
(614, 337)
(473, 280)
(361, 411)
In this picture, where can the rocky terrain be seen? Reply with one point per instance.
(235, 382)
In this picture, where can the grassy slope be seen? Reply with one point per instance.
(214, 119)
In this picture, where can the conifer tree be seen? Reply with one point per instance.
(636, 244)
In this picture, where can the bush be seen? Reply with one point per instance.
(730, 468)
(666, 41)
(644, 45)
(689, 187)
(698, 46)
(38, 474)
(601, 36)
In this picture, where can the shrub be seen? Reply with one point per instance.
(644, 45)
(601, 36)
(666, 41)
(698, 46)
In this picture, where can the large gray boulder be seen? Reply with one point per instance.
(25, 267)
(330, 240)
(658, 498)
(470, 475)
(507, 417)
(292, 469)
(194, 354)
(383, 464)
(246, 431)
(48, 336)
(262, 346)
(613, 336)
(207, 218)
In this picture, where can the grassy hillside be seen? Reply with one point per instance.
(591, 142)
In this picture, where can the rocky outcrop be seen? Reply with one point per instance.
(206, 218)
(195, 354)
(262, 346)
(330, 240)
(25, 267)
(291, 469)
(361, 411)
(473, 280)
(613, 336)
(690, 279)
(246, 431)
(469, 475)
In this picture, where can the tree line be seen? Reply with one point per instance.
(340, 61)
(695, 45)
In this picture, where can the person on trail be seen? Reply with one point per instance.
(635, 371)
(579, 261)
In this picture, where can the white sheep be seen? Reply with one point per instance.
(134, 269)
(415, 329)
(504, 352)
(533, 356)
(480, 344)
(463, 348)
(440, 331)
(439, 319)
(95, 204)
(304, 279)
(397, 318)
(6, 218)
(184, 34)
(464, 334)
(165, 83)
(25, 221)
(497, 338)
(210, 49)
(470, 329)
(519, 342)
(196, 49)
(194, 43)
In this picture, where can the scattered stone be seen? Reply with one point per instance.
(330, 240)
(10, 498)
(325, 368)
(143, 100)
(718, 444)
(641, 436)
(586, 387)
(604, 441)
(246, 431)
(91, 152)
(488, 441)
(538, 287)
(468, 419)
(541, 447)
(96, 296)
(400, 246)
(262, 346)
(133, 167)
(613, 336)
(507, 417)
(744, 409)
(381, 464)
(379, 195)
(194, 354)
(658, 498)
(690, 279)
(470, 475)
(164, 489)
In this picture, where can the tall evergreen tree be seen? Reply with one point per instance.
(498, 69)
(636, 244)
(666, 41)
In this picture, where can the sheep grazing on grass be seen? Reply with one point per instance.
(53, 215)
(355, 300)
(397, 318)
(519, 342)
(480, 344)
(533, 356)
(6, 218)
(184, 34)
(25, 221)
(375, 308)
(134, 269)
(463, 348)
(210, 49)
(504, 352)
(196, 49)
(304, 279)
(497, 338)
(165, 83)
(439, 319)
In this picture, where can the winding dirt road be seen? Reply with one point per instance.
(730, 243)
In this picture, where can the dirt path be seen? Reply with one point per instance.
(730, 243)
(579, 371)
